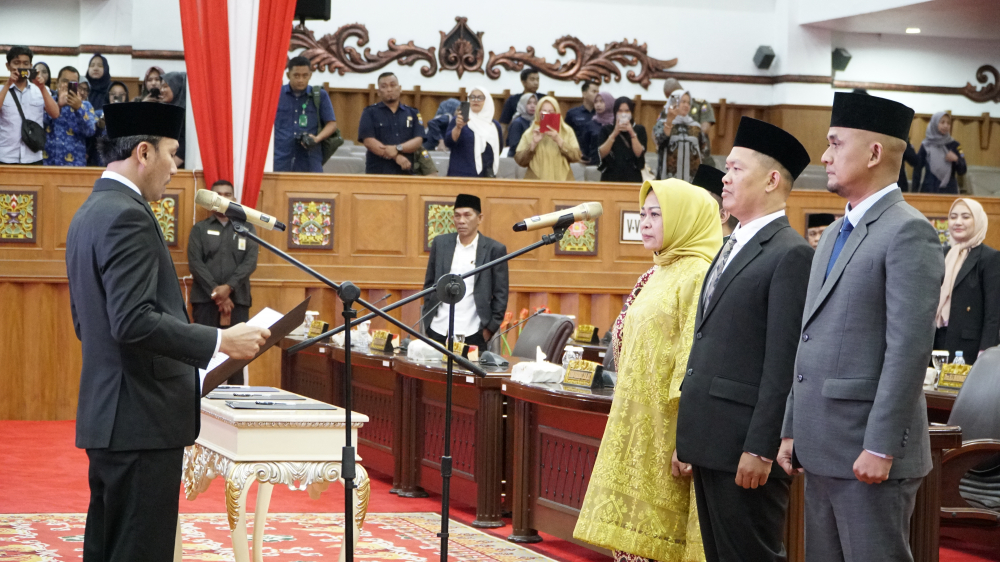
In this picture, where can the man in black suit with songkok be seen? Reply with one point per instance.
(139, 386)
(741, 364)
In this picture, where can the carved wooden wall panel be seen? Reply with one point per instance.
(463, 437)
(376, 403)
(565, 462)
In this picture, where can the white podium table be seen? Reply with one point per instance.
(299, 448)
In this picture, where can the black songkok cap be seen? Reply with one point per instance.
(871, 113)
(773, 141)
(709, 178)
(817, 220)
(143, 118)
(468, 201)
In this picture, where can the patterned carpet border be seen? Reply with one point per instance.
(289, 537)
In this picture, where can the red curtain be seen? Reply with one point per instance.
(205, 25)
(274, 32)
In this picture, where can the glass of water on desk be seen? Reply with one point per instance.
(938, 359)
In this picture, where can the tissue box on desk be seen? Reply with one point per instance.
(537, 371)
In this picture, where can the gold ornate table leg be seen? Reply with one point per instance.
(237, 485)
(362, 493)
(178, 543)
(264, 490)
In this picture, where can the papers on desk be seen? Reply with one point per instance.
(263, 319)
(272, 405)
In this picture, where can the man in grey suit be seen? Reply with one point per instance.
(740, 367)
(867, 332)
(479, 314)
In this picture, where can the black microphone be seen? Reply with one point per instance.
(490, 358)
(219, 204)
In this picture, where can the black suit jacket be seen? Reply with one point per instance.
(741, 363)
(490, 289)
(974, 320)
(139, 388)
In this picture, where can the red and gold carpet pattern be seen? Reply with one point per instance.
(289, 537)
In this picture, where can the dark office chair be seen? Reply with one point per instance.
(970, 474)
(548, 331)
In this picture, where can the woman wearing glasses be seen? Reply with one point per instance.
(474, 145)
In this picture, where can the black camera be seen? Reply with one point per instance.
(154, 92)
(305, 140)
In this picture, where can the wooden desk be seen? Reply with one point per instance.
(939, 405)
(318, 372)
(478, 434)
(557, 433)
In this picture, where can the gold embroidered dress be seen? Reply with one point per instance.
(634, 504)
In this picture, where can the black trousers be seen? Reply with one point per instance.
(737, 524)
(207, 314)
(133, 505)
(476, 339)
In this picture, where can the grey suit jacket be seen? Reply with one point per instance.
(867, 333)
(490, 288)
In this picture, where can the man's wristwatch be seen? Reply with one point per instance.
(399, 148)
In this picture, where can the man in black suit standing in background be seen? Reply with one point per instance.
(139, 386)
(742, 360)
(479, 314)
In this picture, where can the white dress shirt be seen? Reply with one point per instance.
(108, 174)
(467, 320)
(854, 215)
(857, 213)
(742, 234)
(12, 149)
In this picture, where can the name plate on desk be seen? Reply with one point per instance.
(584, 373)
(953, 377)
(382, 340)
(317, 327)
(585, 333)
(467, 351)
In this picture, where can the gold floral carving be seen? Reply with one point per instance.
(202, 465)
(17, 216)
(165, 211)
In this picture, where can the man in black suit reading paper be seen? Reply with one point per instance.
(741, 363)
(479, 314)
(139, 385)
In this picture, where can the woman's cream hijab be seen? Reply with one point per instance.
(486, 132)
(956, 257)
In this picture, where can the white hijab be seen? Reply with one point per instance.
(486, 132)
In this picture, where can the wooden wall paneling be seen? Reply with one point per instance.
(378, 224)
(501, 213)
(808, 124)
(12, 351)
(266, 369)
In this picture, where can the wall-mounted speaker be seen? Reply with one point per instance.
(312, 10)
(763, 58)
(840, 59)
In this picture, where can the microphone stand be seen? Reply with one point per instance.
(349, 294)
(450, 289)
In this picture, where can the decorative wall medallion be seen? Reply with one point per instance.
(580, 238)
(940, 224)
(439, 218)
(329, 53)
(310, 224)
(461, 49)
(165, 211)
(17, 216)
(590, 62)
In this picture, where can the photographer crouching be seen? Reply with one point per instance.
(304, 120)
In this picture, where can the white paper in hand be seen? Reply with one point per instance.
(263, 319)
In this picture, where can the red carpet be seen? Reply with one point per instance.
(45, 473)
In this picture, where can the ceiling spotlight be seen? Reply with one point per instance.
(913, 30)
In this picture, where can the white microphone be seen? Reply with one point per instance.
(563, 218)
(219, 204)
